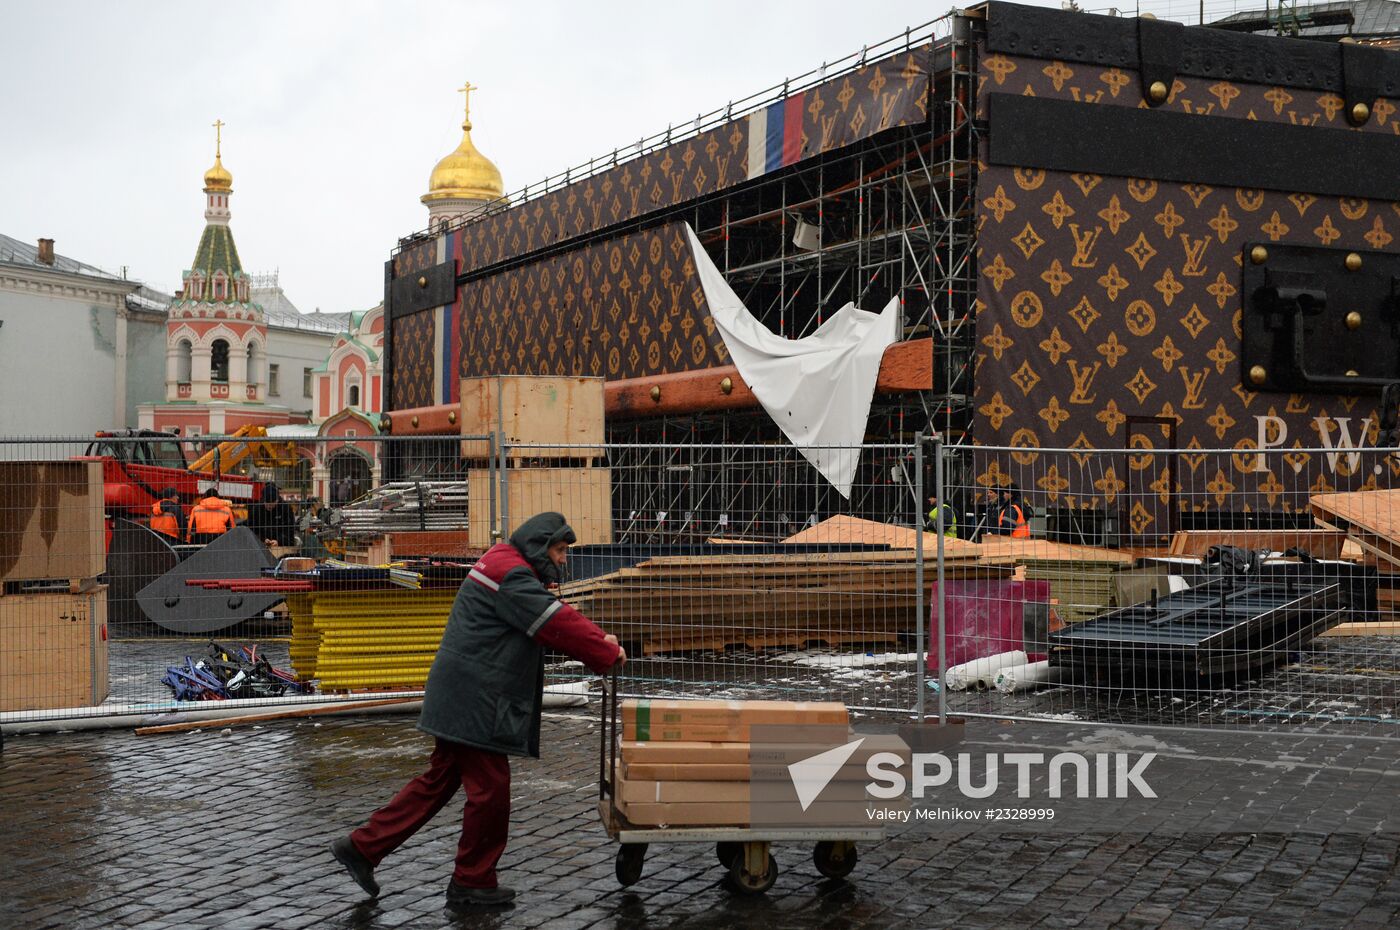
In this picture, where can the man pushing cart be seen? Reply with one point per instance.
(483, 703)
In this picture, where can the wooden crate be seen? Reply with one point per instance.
(51, 520)
(532, 409)
(53, 650)
(583, 495)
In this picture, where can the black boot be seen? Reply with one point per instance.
(356, 864)
(460, 897)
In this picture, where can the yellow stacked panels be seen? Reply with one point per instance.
(359, 640)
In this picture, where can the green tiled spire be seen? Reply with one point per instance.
(217, 252)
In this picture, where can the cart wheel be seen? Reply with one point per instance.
(745, 882)
(835, 858)
(726, 851)
(629, 863)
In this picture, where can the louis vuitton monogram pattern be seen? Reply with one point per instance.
(884, 94)
(1104, 298)
(1014, 74)
(626, 306)
(622, 308)
(413, 364)
(416, 257)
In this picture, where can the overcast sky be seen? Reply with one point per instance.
(336, 112)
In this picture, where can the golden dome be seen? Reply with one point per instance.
(465, 174)
(218, 177)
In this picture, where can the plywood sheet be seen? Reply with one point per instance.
(51, 520)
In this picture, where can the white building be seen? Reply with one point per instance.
(80, 348)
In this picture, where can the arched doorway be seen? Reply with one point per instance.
(218, 360)
(350, 475)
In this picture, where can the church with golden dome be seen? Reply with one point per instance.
(465, 182)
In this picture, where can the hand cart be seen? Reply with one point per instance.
(742, 851)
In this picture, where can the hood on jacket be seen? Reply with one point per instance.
(270, 493)
(536, 535)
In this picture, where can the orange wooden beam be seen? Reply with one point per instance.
(906, 366)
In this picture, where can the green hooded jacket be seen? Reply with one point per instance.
(486, 685)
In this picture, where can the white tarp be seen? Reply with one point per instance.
(818, 388)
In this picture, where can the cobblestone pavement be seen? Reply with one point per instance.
(229, 829)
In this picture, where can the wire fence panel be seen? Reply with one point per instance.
(1150, 585)
(135, 586)
(1191, 587)
(739, 571)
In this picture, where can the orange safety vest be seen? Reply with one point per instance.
(163, 522)
(1022, 529)
(211, 517)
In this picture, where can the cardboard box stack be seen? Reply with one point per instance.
(688, 762)
(53, 613)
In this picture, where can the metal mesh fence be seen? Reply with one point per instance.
(135, 586)
(1143, 586)
(1182, 587)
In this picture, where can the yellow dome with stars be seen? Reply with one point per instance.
(218, 177)
(465, 174)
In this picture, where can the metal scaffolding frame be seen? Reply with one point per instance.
(896, 216)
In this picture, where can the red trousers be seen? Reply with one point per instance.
(485, 776)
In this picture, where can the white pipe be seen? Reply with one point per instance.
(572, 694)
(981, 673)
(1028, 677)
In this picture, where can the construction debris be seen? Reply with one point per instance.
(1084, 588)
(229, 672)
(764, 600)
(1229, 625)
(407, 506)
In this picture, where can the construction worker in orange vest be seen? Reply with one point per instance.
(1012, 517)
(211, 518)
(167, 516)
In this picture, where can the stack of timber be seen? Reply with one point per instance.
(1083, 587)
(848, 529)
(692, 763)
(679, 603)
(992, 550)
(552, 432)
(1320, 544)
(1370, 518)
(1371, 522)
(53, 611)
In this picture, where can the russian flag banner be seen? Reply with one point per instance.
(775, 135)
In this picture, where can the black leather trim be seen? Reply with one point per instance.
(1063, 135)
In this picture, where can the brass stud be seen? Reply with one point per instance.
(1148, 16)
(422, 280)
(414, 422)
(1258, 255)
(726, 386)
(1257, 375)
(1157, 92)
(452, 416)
(386, 423)
(1353, 320)
(1351, 372)
(656, 394)
(1353, 261)
(1360, 113)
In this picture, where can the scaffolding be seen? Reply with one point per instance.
(890, 216)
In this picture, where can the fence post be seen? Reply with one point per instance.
(491, 480)
(919, 621)
(941, 491)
